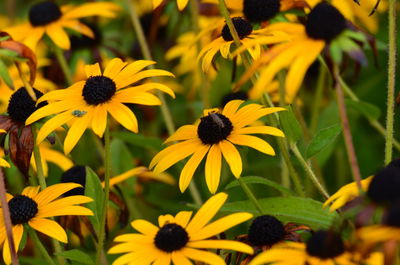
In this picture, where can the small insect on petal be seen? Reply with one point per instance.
(79, 113)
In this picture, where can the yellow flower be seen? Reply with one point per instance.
(49, 155)
(87, 103)
(48, 18)
(323, 248)
(251, 40)
(181, 4)
(346, 194)
(32, 208)
(216, 135)
(180, 238)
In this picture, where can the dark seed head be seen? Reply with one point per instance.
(393, 215)
(98, 89)
(21, 105)
(266, 230)
(22, 209)
(260, 10)
(325, 245)
(171, 237)
(214, 128)
(385, 186)
(76, 174)
(44, 13)
(243, 29)
(232, 96)
(325, 22)
(85, 42)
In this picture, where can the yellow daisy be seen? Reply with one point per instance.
(48, 18)
(216, 135)
(180, 238)
(324, 24)
(33, 208)
(181, 4)
(87, 103)
(323, 248)
(250, 39)
(346, 194)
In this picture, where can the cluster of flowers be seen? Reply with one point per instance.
(267, 37)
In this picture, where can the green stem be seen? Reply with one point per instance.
(63, 64)
(250, 195)
(194, 191)
(309, 171)
(318, 98)
(391, 81)
(7, 220)
(147, 55)
(42, 182)
(102, 227)
(40, 246)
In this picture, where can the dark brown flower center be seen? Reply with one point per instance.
(98, 89)
(21, 105)
(260, 10)
(171, 237)
(214, 128)
(325, 22)
(266, 230)
(393, 215)
(44, 13)
(243, 29)
(22, 209)
(76, 174)
(325, 245)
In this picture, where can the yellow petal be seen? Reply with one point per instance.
(123, 115)
(131, 70)
(104, 9)
(31, 191)
(145, 227)
(203, 256)
(54, 191)
(79, 27)
(182, 218)
(232, 157)
(92, 70)
(52, 124)
(261, 130)
(165, 219)
(206, 212)
(213, 168)
(114, 67)
(50, 228)
(58, 36)
(191, 166)
(253, 142)
(185, 132)
(53, 108)
(182, 4)
(141, 75)
(129, 95)
(156, 3)
(76, 130)
(222, 244)
(17, 231)
(99, 121)
(179, 258)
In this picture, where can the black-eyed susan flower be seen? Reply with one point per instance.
(21, 143)
(87, 103)
(324, 24)
(181, 238)
(215, 135)
(346, 194)
(251, 40)
(33, 208)
(323, 248)
(48, 18)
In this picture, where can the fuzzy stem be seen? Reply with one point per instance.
(63, 64)
(250, 195)
(309, 171)
(348, 139)
(40, 246)
(7, 220)
(102, 227)
(147, 55)
(391, 81)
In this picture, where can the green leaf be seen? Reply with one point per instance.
(5, 76)
(139, 140)
(290, 126)
(289, 209)
(121, 157)
(259, 180)
(94, 190)
(76, 255)
(368, 110)
(322, 139)
(8, 53)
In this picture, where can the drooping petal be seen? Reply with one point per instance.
(222, 244)
(232, 157)
(50, 228)
(58, 36)
(191, 166)
(52, 124)
(253, 142)
(18, 231)
(123, 115)
(213, 168)
(75, 132)
(99, 120)
(179, 258)
(203, 256)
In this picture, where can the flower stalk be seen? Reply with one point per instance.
(250, 195)
(40, 247)
(63, 64)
